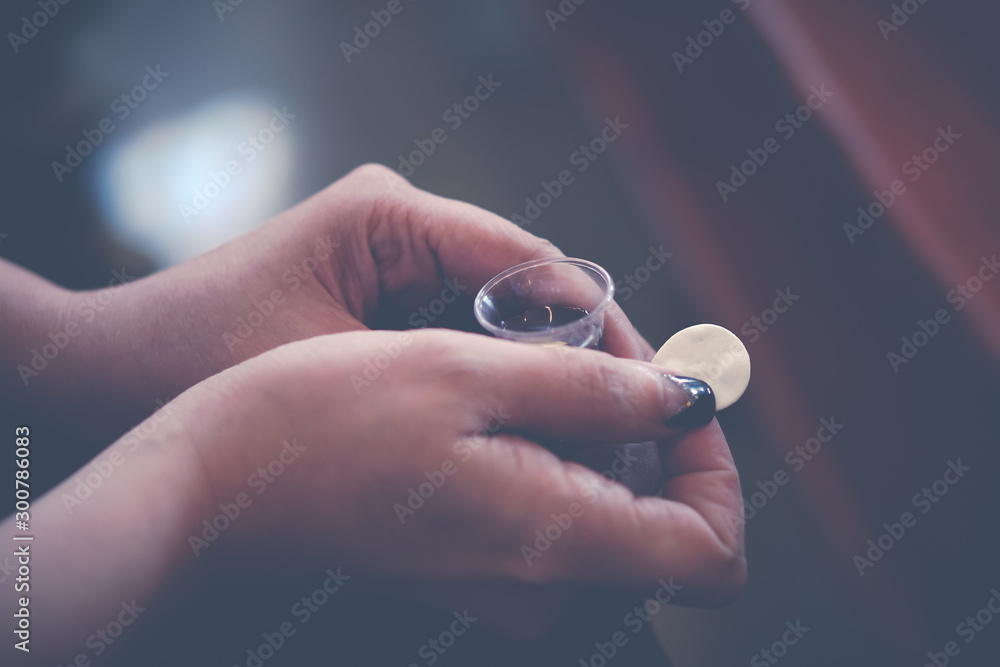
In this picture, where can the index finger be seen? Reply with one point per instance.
(472, 245)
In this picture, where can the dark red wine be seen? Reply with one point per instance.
(540, 319)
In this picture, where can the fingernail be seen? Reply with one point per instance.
(695, 405)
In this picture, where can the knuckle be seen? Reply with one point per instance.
(734, 583)
(588, 377)
(374, 183)
(644, 397)
(616, 392)
(528, 564)
(442, 356)
(372, 172)
(544, 249)
(540, 552)
(727, 579)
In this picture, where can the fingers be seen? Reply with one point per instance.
(621, 339)
(579, 395)
(421, 238)
(475, 245)
(444, 239)
(516, 511)
(577, 526)
(703, 476)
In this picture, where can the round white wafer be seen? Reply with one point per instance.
(712, 354)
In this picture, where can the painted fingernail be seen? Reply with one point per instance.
(695, 405)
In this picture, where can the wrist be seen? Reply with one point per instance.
(243, 422)
(33, 310)
(115, 531)
(97, 357)
(132, 348)
(92, 355)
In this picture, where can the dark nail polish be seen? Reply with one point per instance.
(698, 407)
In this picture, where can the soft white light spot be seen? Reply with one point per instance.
(147, 178)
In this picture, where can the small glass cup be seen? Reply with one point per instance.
(563, 301)
(560, 301)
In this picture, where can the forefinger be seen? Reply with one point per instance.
(470, 245)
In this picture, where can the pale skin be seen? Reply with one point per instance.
(362, 445)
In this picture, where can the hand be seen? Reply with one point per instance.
(462, 414)
(389, 247)
(368, 250)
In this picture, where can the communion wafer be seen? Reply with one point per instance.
(712, 354)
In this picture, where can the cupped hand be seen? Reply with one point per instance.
(368, 250)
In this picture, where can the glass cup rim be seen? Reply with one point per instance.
(598, 311)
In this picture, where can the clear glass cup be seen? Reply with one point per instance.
(563, 302)
(559, 301)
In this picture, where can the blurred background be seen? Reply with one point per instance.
(122, 122)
